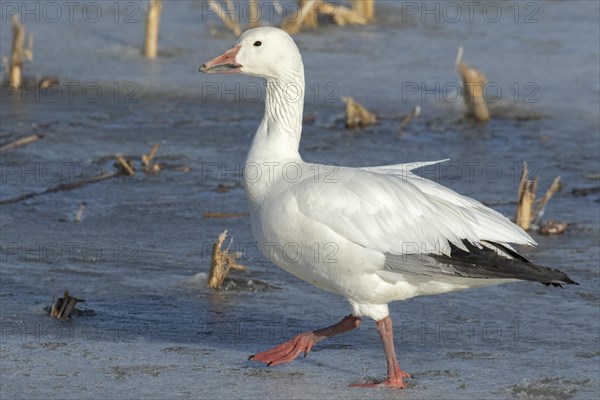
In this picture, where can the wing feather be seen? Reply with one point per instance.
(400, 212)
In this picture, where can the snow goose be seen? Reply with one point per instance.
(373, 235)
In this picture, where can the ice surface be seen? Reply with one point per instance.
(141, 253)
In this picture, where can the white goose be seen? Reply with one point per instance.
(373, 235)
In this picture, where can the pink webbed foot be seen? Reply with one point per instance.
(304, 342)
(287, 351)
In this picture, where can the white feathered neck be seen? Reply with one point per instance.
(278, 136)
(277, 140)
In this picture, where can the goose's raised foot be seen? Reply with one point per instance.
(288, 351)
(304, 342)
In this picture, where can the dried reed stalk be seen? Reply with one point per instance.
(528, 210)
(152, 24)
(253, 14)
(222, 262)
(21, 142)
(124, 166)
(409, 117)
(366, 8)
(64, 306)
(341, 15)
(19, 54)
(230, 23)
(147, 163)
(48, 81)
(357, 115)
(474, 82)
(312, 19)
(307, 17)
(526, 198)
(540, 205)
(80, 211)
(229, 6)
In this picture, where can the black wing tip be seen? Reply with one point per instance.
(553, 284)
(566, 280)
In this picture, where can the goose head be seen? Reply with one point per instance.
(266, 52)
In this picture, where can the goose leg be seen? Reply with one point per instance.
(303, 343)
(395, 378)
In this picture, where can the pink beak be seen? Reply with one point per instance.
(223, 64)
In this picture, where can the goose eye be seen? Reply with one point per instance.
(257, 43)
